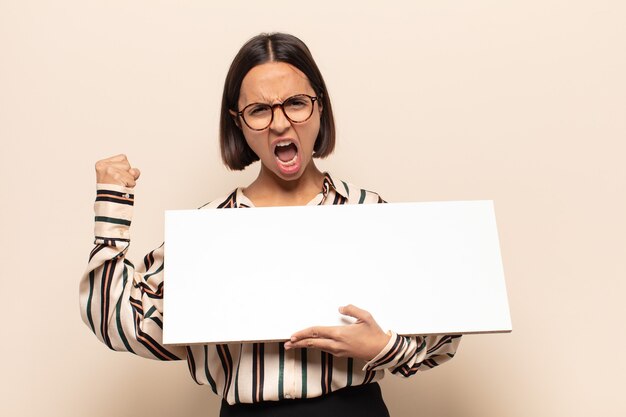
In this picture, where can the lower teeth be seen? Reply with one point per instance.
(291, 162)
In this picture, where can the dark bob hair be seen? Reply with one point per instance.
(263, 48)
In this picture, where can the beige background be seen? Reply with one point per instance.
(520, 102)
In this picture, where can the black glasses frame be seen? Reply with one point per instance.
(281, 105)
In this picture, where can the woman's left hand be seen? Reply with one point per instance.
(363, 339)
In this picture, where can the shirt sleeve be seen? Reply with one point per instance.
(405, 355)
(121, 304)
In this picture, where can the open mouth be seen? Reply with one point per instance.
(286, 152)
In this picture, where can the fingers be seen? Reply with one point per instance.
(314, 333)
(116, 170)
(323, 338)
(327, 345)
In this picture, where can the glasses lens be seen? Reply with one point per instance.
(258, 116)
(298, 108)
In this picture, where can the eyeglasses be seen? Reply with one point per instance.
(297, 109)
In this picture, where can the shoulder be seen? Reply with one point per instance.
(353, 193)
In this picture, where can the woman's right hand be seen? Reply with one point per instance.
(116, 170)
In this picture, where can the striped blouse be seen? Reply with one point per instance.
(123, 305)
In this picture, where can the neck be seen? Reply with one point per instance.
(270, 190)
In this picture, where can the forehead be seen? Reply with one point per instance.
(273, 81)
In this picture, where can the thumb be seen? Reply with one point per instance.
(135, 173)
(354, 311)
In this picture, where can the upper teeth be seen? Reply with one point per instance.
(283, 143)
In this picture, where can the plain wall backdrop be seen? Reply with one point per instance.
(520, 102)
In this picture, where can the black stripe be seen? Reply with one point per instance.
(150, 311)
(330, 372)
(323, 373)
(147, 290)
(157, 321)
(147, 276)
(261, 369)
(327, 372)
(110, 241)
(229, 202)
(136, 305)
(105, 288)
(350, 365)
(444, 340)
(192, 365)
(112, 220)
(207, 373)
(430, 363)
(115, 200)
(407, 371)
(281, 371)
(158, 351)
(226, 360)
(146, 261)
(347, 189)
(391, 353)
(117, 193)
(362, 197)
(89, 317)
(118, 315)
(305, 380)
(255, 354)
(415, 353)
(237, 375)
(95, 250)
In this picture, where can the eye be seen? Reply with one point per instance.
(297, 102)
(257, 110)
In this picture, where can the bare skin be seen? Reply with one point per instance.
(116, 170)
(273, 83)
(363, 339)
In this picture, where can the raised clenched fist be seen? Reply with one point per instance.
(116, 170)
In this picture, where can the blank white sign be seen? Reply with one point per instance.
(260, 274)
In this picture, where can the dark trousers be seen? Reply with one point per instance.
(360, 401)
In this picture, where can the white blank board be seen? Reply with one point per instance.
(261, 274)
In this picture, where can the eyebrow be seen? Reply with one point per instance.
(269, 103)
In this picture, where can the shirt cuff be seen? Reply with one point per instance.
(387, 357)
(113, 211)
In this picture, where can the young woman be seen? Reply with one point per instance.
(275, 109)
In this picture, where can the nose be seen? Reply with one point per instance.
(280, 122)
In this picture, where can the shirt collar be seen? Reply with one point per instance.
(334, 184)
(329, 184)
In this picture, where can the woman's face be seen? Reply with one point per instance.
(284, 148)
